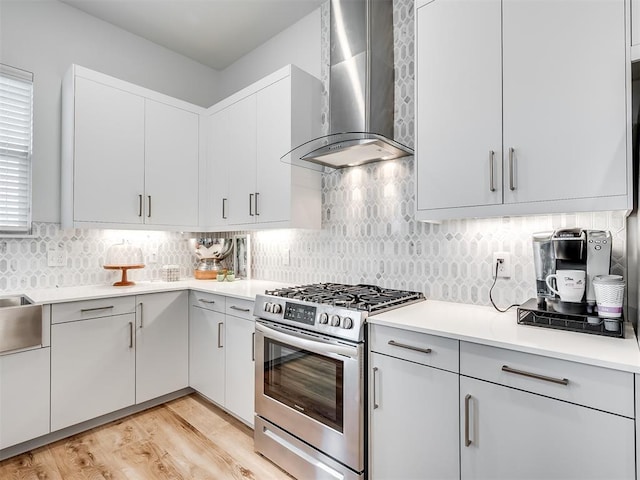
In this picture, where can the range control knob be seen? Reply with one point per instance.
(266, 307)
(324, 318)
(347, 322)
(276, 308)
(335, 321)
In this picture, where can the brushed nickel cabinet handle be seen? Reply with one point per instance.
(139, 205)
(141, 313)
(409, 347)
(375, 403)
(224, 210)
(130, 334)
(149, 211)
(206, 301)
(512, 185)
(559, 381)
(492, 185)
(233, 307)
(220, 335)
(467, 400)
(256, 204)
(253, 347)
(95, 309)
(251, 204)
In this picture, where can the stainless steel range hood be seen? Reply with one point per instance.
(361, 93)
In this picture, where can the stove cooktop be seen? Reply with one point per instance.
(334, 309)
(369, 298)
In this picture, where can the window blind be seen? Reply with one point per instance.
(16, 132)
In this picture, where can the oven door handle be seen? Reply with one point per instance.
(321, 348)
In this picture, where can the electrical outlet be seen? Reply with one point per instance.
(56, 258)
(286, 257)
(152, 257)
(501, 263)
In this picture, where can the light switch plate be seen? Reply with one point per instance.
(56, 258)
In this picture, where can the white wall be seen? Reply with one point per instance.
(299, 44)
(46, 37)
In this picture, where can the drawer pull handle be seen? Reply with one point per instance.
(559, 381)
(220, 335)
(233, 307)
(86, 310)
(393, 343)
(206, 301)
(467, 440)
(375, 402)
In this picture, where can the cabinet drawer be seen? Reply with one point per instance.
(239, 307)
(588, 385)
(85, 309)
(210, 301)
(416, 347)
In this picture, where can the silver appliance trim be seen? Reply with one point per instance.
(346, 447)
(302, 461)
(361, 87)
(320, 346)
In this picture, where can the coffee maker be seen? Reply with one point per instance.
(570, 249)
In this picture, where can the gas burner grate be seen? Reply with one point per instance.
(369, 298)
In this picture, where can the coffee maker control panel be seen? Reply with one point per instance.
(598, 258)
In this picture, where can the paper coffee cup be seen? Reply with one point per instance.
(609, 290)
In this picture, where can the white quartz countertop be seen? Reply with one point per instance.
(465, 322)
(247, 289)
(487, 326)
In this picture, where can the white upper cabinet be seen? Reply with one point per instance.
(130, 156)
(170, 165)
(107, 174)
(635, 30)
(249, 132)
(522, 108)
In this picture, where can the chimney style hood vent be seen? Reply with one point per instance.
(361, 93)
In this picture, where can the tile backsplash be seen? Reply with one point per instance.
(368, 233)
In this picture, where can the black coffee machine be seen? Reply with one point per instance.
(570, 249)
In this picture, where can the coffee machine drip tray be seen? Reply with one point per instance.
(562, 316)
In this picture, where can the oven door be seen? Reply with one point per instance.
(312, 387)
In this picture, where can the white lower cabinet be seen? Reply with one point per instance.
(162, 344)
(240, 370)
(520, 435)
(24, 396)
(92, 368)
(413, 406)
(206, 346)
(414, 414)
(103, 359)
(221, 353)
(525, 416)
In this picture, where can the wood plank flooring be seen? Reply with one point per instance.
(186, 439)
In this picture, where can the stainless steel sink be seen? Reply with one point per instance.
(20, 323)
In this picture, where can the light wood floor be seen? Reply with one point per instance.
(187, 438)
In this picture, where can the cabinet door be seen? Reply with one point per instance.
(92, 368)
(564, 99)
(24, 396)
(273, 140)
(162, 344)
(242, 162)
(108, 168)
(458, 104)
(519, 435)
(206, 353)
(240, 362)
(220, 151)
(171, 165)
(414, 418)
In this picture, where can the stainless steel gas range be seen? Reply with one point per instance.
(310, 375)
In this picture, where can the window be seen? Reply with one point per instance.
(16, 132)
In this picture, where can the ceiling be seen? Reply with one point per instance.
(213, 32)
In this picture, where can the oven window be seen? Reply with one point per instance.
(305, 381)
